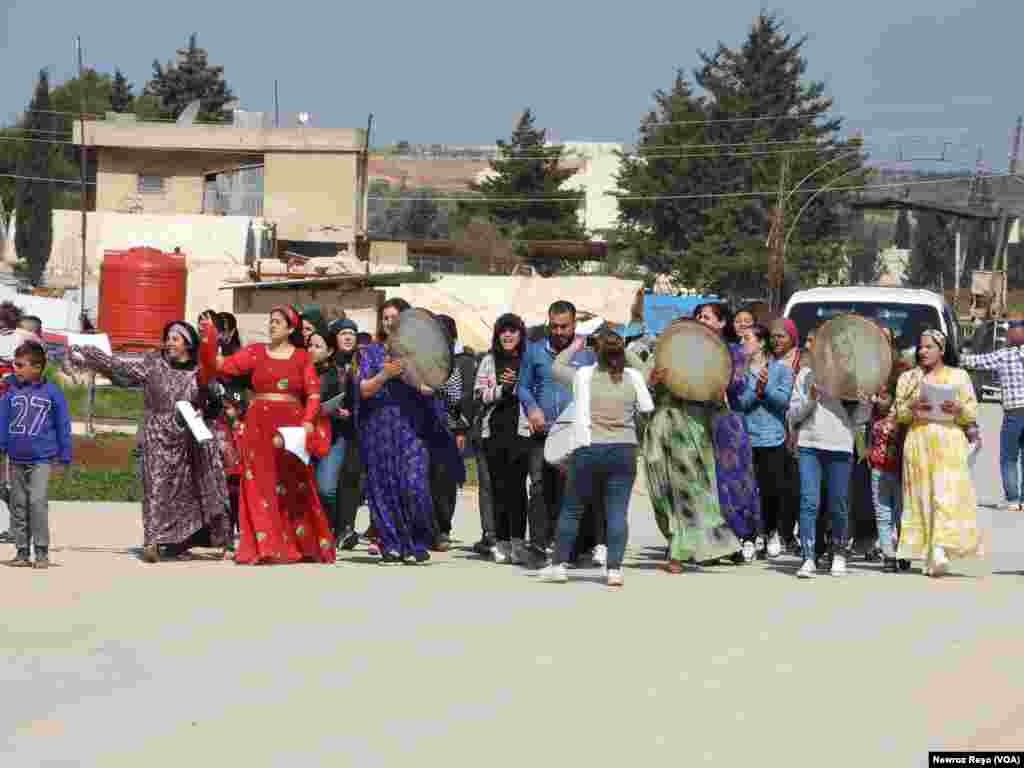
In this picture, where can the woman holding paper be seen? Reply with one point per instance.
(280, 516)
(936, 401)
(185, 498)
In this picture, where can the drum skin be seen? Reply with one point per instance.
(422, 343)
(851, 357)
(697, 361)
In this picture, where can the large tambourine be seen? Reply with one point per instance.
(851, 357)
(422, 343)
(698, 362)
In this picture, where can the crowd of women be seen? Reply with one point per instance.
(736, 479)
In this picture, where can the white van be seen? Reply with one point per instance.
(907, 311)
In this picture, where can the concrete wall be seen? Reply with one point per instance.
(311, 197)
(389, 252)
(118, 172)
(167, 136)
(252, 306)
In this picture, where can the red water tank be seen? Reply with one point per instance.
(141, 290)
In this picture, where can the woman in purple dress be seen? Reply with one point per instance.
(738, 493)
(400, 431)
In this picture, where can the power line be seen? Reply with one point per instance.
(696, 196)
(739, 120)
(76, 182)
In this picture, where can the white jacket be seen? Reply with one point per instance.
(824, 424)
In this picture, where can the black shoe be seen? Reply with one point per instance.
(6, 538)
(903, 565)
(349, 541)
(484, 546)
(889, 565)
(390, 558)
(422, 557)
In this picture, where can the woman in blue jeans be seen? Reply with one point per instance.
(825, 441)
(603, 464)
(322, 347)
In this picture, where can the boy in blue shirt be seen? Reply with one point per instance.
(35, 432)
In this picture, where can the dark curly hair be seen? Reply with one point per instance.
(10, 314)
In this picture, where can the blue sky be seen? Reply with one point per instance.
(451, 71)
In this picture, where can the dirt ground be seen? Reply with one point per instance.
(104, 452)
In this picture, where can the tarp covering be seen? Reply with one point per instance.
(475, 302)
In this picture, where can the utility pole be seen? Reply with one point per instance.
(1003, 230)
(277, 112)
(81, 169)
(776, 253)
(364, 191)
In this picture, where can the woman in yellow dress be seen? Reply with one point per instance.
(940, 517)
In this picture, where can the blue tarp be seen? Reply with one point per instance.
(660, 311)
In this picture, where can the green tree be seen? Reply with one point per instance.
(723, 148)
(931, 259)
(91, 93)
(192, 77)
(903, 233)
(121, 97)
(527, 168)
(34, 232)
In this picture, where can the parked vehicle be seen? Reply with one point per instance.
(907, 311)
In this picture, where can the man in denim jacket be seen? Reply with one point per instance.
(543, 401)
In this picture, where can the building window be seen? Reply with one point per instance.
(150, 185)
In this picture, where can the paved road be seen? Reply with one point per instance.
(110, 662)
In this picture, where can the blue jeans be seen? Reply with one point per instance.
(887, 492)
(836, 467)
(601, 470)
(1010, 449)
(328, 469)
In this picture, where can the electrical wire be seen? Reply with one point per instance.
(76, 182)
(698, 196)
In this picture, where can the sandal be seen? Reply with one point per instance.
(675, 567)
(151, 554)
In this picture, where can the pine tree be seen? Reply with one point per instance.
(727, 142)
(121, 98)
(193, 77)
(34, 204)
(526, 167)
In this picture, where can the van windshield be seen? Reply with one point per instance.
(907, 321)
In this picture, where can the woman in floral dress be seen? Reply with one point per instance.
(940, 508)
(185, 498)
(738, 492)
(280, 517)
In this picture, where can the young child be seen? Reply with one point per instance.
(35, 432)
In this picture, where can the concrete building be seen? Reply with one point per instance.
(307, 182)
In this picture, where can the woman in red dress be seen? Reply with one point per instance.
(280, 517)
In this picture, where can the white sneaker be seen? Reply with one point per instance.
(500, 552)
(774, 547)
(748, 551)
(808, 570)
(940, 564)
(554, 574)
(615, 577)
(838, 565)
(600, 555)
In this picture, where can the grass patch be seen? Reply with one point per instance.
(111, 402)
(95, 485)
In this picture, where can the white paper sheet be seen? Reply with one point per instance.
(295, 441)
(194, 422)
(936, 395)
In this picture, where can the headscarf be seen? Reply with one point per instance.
(191, 337)
(290, 315)
(938, 337)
